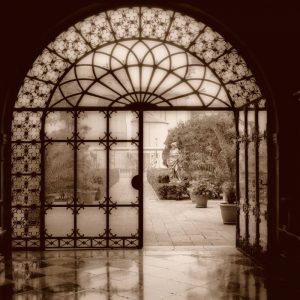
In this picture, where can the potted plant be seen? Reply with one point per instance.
(228, 207)
(201, 191)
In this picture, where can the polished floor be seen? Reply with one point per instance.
(206, 272)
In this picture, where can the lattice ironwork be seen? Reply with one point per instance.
(126, 59)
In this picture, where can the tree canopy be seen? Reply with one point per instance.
(207, 148)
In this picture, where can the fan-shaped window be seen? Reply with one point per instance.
(139, 55)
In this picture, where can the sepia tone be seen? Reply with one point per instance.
(124, 113)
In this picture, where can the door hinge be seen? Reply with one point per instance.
(275, 138)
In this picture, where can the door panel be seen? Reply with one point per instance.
(252, 171)
(90, 160)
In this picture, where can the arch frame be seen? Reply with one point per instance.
(196, 13)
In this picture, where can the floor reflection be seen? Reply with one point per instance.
(159, 273)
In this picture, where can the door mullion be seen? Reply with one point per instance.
(108, 113)
(75, 178)
(246, 177)
(237, 174)
(141, 174)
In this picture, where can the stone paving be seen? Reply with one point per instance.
(180, 223)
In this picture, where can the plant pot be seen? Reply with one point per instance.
(200, 200)
(228, 212)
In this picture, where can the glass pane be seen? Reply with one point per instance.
(91, 173)
(263, 179)
(241, 123)
(251, 176)
(91, 221)
(59, 173)
(59, 125)
(242, 189)
(263, 227)
(123, 125)
(251, 191)
(251, 123)
(124, 221)
(59, 221)
(123, 167)
(91, 125)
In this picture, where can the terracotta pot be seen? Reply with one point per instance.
(228, 212)
(201, 200)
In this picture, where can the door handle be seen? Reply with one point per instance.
(136, 182)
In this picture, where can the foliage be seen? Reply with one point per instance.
(229, 192)
(163, 179)
(154, 175)
(172, 190)
(207, 147)
(59, 165)
(204, 187)
(160, 181)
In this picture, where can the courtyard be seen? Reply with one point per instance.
(180, 223)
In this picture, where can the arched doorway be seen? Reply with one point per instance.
(130, 59)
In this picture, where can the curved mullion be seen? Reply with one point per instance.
(171, 69)
(98, 80)
(126, 67)
(64, 96)
(203, 79)
(214, 97)
(112, 70)
(182, 80)
(98, 96)
(77, 79)
(154, 67)
(142, 63)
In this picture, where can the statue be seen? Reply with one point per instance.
(172, 162)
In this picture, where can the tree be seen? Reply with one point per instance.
(206, 143)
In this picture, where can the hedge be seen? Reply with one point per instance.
(160, 181)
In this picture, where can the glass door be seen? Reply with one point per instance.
(93, 190)
(252, 171)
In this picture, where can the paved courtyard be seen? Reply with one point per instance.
(180, 223)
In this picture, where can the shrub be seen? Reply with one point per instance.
(154, 174)
(204, 187)
(160, 181)
(163, 178)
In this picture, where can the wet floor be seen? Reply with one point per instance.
(206, 272)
